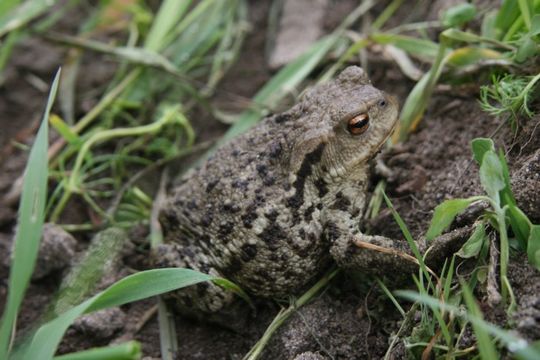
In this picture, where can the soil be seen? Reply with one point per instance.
(352, 319)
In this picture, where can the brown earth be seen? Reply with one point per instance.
(352, 319)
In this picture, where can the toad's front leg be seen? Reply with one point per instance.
(375, 254)
(371, 254)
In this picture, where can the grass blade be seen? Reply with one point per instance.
(22, 14)
(30, 224)
(280, 85)
(169, 13)
(485, 344)
(514, 344)
(407, 235)
(423, 48)
(134, 287)
(7, 5)
(525, 8)
(508, 13)
(127, 351)
(134, 55)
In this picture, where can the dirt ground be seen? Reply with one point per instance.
(352, 319)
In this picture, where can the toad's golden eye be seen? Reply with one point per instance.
(358, 124)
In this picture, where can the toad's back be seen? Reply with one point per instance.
(250, 215)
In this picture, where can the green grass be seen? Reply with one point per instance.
(495, 180)
(510, 96)
(439, 297)
(141, 285)
(511, 342)
(95, 177)
(43, 342)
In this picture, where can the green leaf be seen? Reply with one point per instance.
(508, 13)
(474, 244)
(458, 15)
(464, 36)
(506, 195)
(480, 146)
(491, 175)
(127, 351)
(520, 223)
(6, 5)
(444, 215)
(533, 246)
(30, 224)
(135, 287)
(525, 8)
(413, 108)
(488, 25)
(417, 101)
(535, 25)
(472, 55)
(526, 50)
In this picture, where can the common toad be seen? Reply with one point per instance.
(274, 207)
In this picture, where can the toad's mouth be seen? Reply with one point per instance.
(392, 129)
(395, 123)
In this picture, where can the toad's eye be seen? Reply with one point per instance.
(358, 124)
(382, 103)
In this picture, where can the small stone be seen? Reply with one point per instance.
(310, 356)
(56, 251)
(101, 324)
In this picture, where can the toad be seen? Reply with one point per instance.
(271, 209)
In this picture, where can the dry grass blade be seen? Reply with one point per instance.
(284, 314)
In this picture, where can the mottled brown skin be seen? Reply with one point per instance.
(271, 209)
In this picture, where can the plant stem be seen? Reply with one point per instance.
(73, 185)
(504, 249)
(284, 314)
(96, 111)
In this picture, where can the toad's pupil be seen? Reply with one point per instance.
(360, 123)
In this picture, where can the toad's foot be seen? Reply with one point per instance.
(205, 297)
(204, 300)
